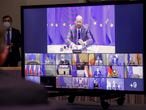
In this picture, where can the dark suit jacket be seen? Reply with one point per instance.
(66, 62)
(85, 35)
(14, 54)
(16, 41)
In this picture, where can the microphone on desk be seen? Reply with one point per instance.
(65, 47)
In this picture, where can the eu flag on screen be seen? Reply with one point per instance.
(128, 58)
(108, 41)
(49, 40)
(130, 72)
(42, 69)
(62, 40)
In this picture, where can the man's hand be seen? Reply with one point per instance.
(81, 42)
(73, 46)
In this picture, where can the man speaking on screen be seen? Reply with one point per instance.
(79, 34)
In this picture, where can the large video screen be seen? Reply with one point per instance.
(84, 47)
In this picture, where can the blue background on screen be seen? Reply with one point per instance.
(129, 28)
(133, 84)
(35, 30)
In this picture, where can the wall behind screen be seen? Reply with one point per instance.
(12, 7)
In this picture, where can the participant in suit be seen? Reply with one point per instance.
(98, 61)
(13, 40)
(79, 34)
(63, 61)
(97, 73)
(115, 60)
(63, 65)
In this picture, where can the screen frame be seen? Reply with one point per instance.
(89, 92)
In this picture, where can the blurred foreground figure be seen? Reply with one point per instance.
(14, 90)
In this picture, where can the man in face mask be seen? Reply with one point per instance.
(12, 39)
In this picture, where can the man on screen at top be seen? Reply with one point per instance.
(79, 34)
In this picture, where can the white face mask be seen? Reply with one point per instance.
(7, 24)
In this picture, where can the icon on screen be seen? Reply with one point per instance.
(133, 85)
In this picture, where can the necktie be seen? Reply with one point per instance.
(8, 37)
(79, 34)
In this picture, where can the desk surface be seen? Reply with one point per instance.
(90, 49)
(11, 68)
(62, 105)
